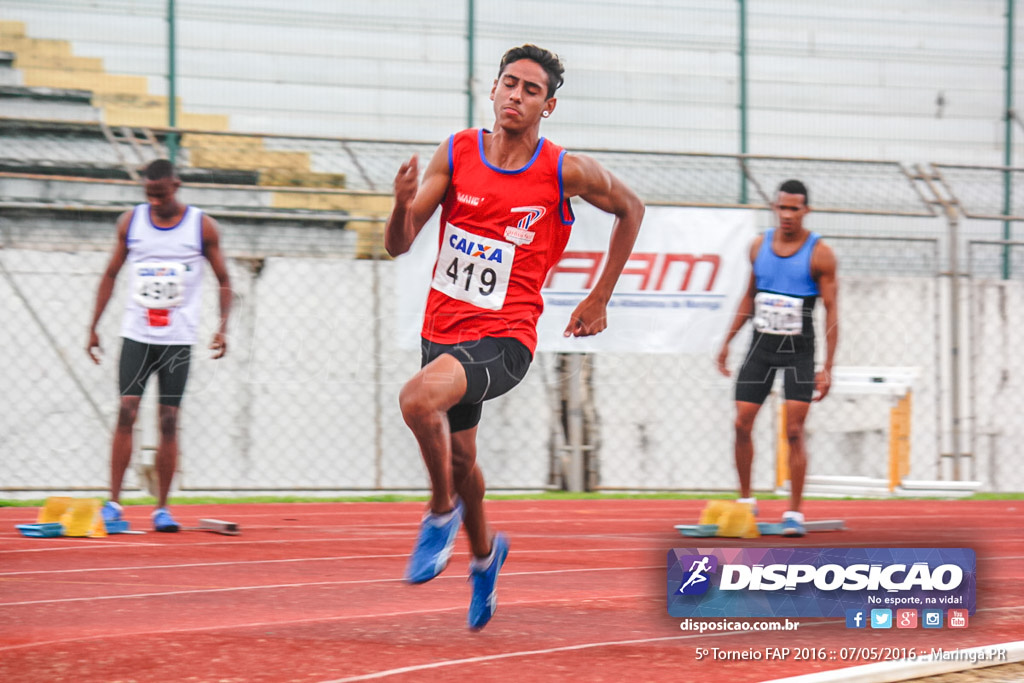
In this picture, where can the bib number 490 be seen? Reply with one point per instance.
(159, 285)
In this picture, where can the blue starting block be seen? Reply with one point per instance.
(119, 527)
(44, 530)
(55, 529)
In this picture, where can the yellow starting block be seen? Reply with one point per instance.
(731, 519)
(78, 516)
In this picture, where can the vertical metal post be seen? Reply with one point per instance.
(378, 363)
(1008, 139)
(743, 94)
(574, 421)
(954, 335)
(950, 207)
(172, 77)
(470, 58)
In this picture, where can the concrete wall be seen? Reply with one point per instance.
(307, 396)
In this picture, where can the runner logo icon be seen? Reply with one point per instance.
(697, 580)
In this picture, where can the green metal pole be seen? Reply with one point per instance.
(172, 94)
(743, 95)
(1008, 140)
(470, 58)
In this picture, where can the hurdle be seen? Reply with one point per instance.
(897, 383)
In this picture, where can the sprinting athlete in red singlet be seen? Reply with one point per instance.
(505, 219)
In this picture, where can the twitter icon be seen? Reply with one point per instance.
(881, 618)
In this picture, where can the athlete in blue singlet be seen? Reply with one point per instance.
(792, 269)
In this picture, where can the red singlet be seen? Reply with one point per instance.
(501, 232)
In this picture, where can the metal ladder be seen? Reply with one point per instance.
(144, 147)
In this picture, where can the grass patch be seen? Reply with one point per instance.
(535, 495)
(1019, 495)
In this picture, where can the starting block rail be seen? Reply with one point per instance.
(764, 528)
(217, 526)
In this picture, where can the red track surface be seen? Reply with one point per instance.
(313, 592)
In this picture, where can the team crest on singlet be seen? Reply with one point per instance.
(520, 233)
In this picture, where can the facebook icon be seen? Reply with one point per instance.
(856, 618)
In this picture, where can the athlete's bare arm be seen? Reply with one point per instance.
(416, 202)
(743, 311)
(584, 177)
(106, 288)
(215, 257)
(823, 271)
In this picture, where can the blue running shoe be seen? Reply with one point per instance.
(162, 521)
(111, 512)
(485, 585)
(792, 527)
(112, 520)
(434, 546)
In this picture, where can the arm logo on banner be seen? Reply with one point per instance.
(677, 293)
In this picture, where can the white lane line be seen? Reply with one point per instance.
(88, 544)
(291, 560)
(234, 589)
(966, 659)
(530, 653)
(343, 558)
(639, 641)
(311, 620)
(678, 541)
(504, 520)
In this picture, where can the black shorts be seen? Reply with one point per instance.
(769, 353)
(140, 360)
(493, 366)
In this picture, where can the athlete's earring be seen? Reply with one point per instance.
(545, 114)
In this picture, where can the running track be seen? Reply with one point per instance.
(313, 592)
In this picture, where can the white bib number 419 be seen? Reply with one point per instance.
(159, 285)
(473, 269)
(778, 314)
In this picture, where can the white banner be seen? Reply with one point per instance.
(677, 293)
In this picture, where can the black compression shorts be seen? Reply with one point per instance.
(140, 360)
(493, 366)
(769, 353)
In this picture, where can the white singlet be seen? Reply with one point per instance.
(165, 277)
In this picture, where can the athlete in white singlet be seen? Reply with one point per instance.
(164, 242)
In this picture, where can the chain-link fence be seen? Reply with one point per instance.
(306, 399)
(997, 378)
